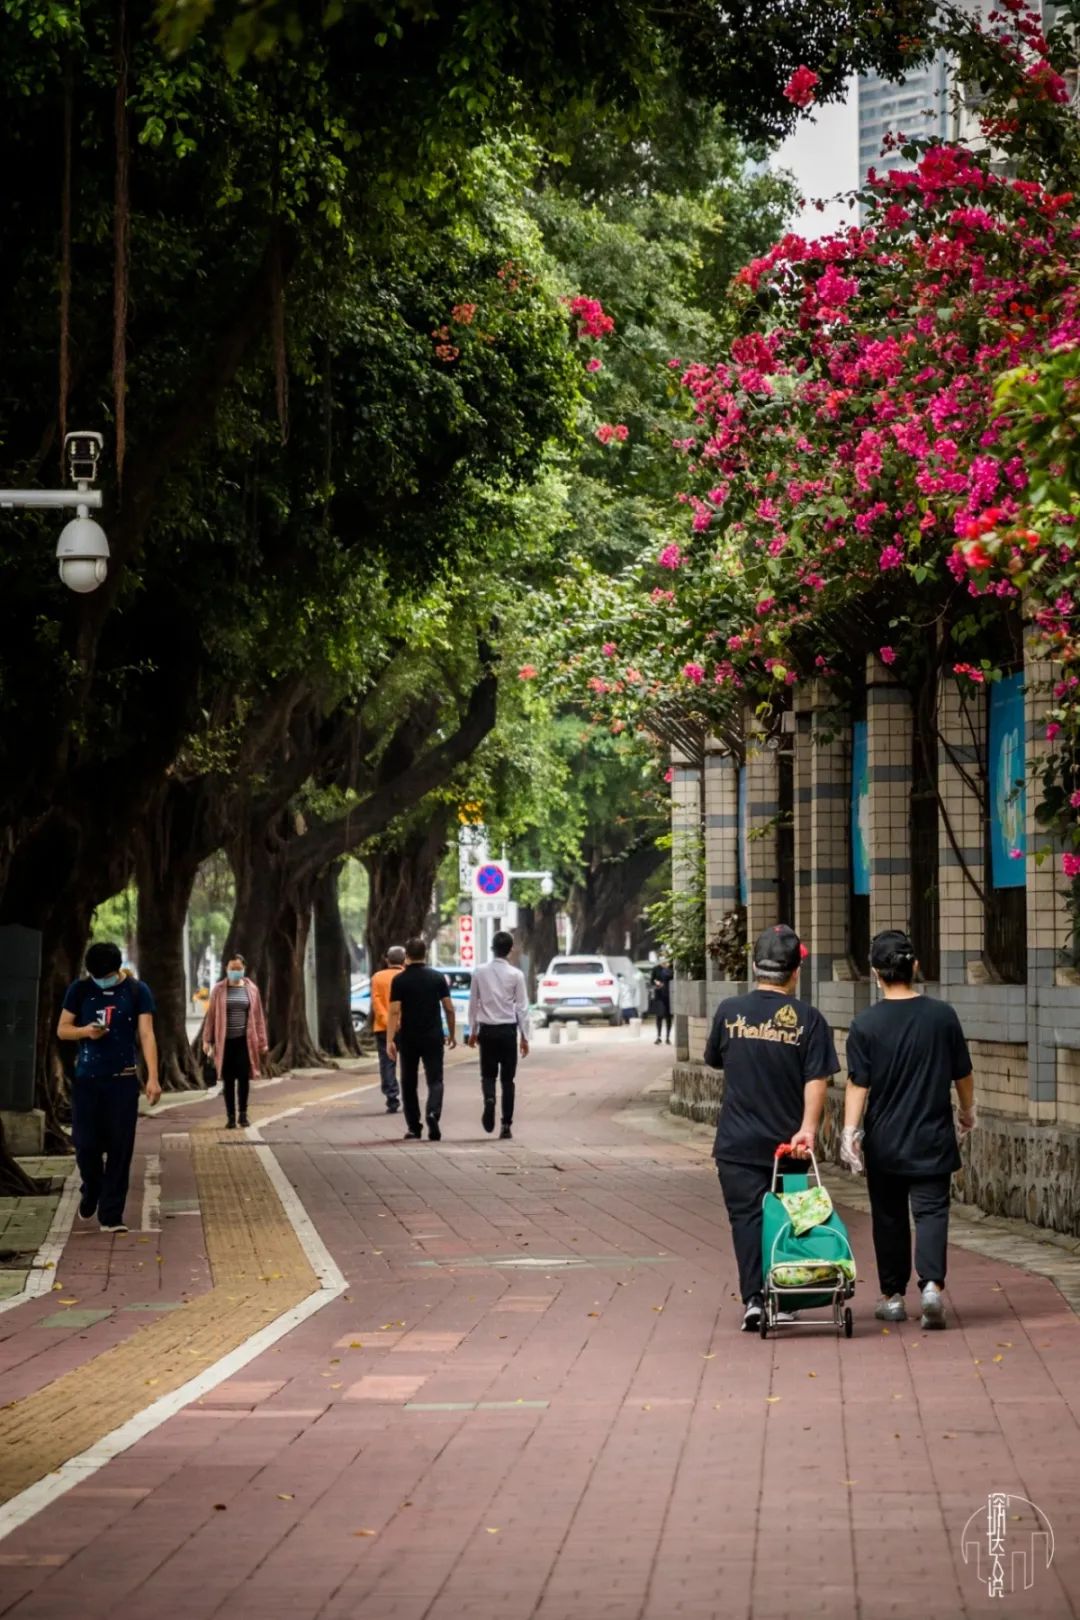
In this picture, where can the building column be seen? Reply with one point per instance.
(829, 852)
(803, 782)
(961, 829)
(1047, 918)
(762, 810)
(888, 717)
(686, 833)
(721, 839)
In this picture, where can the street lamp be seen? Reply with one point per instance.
(82, 550)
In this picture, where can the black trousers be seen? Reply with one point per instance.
(236, 1073)
(927, 1197)
(663, 1017)
(744, 1186)
(411, 1054)
(104, 1112)
(498, 1062)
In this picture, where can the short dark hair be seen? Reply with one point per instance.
(502, 944)
(777, 954)
(235, 957)
(415, 950)
(892, 956)
(103, 958)
(395, 955)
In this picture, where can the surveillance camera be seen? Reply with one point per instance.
(82, 453)
(81, 552)
(547, 886)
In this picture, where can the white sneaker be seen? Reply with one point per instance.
(933, 1307)
(892, 1309)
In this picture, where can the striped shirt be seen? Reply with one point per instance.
(238, 1007)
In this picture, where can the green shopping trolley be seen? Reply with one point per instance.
(807, 1269)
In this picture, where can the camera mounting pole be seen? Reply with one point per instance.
(82, 549)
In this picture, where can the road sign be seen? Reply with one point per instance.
(497, 906)
(472, 852)
(491, 881)
(466, 941)
(465, 925)
(466, 955)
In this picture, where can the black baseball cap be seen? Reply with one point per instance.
(777, 953)
(891, 949)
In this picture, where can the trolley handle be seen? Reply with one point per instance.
(783, 1152)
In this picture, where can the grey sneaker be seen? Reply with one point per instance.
(891, 1310)
(933, 1307)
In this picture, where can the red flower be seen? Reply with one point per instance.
(800, 88)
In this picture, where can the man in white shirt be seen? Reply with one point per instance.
(499, 1026)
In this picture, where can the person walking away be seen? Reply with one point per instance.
(419, 996)
(380, 1011)
(777, 1055)
(628, 1003)
(108, 1014)
(660, 999)
(499, 1026)
(904, 1056)
(234, 1036)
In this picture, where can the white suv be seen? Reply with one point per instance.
(584, 987)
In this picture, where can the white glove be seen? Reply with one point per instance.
(850, 1146)
(966, 1119)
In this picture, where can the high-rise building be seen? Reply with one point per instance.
(915, 106)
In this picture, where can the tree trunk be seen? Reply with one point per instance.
(291, 1044)
(255, 869)
(333, 970)
(164, 894)
(537, 938)
(14, 1181)
(402, 878)
(606, 904)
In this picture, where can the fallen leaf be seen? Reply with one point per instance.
(492, 1529)
(849, 1482)
(978, 1363)
(594, 1313)
(150, 1382)
(67, 1302)
(335, 1386)
(1006, 1344)
(997, 1289)
(898, 1397)
(219, 1507)
(285, 1496)
(58, 1288)
(355, 1345)
(998, 1358)
(335, 1361)
(658, 1307)
(363, 1532)
(710, 1357)
(811, 1375)
(770, 1400)
(885, 1330)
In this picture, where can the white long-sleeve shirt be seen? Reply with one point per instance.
(498, 996)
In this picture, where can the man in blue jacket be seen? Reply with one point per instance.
(108, 1013)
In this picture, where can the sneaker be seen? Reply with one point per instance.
(892, 1309)
(658, 1041)
(413, 1136)
(393, 1108)
(230, 1124)
(87, 1207)
(433, 1131)
(751, 1322)
(506, 1134)
(119, 1227)
(933, 1307)
(244, 1122)
(488, 1120)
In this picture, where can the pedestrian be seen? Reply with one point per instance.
(660, 998)
(904, 1056)
(380, 1009)
(234, 1036)
(777, 1055)
(499, 1026)
(628, 1004)
(109, 1015)
(419, 996)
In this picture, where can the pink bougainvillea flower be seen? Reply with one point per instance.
(694, 672)
(891, 557)
(594, 364)
(592, 321)
(1053, 730)
(669, 775)
(800, 88)
(887, 655)
(1070, 865)
(1016, 854)
(527, 672)
(1074, 800)
(622, 432)
(608, 649)
(671, 557)
(970, 671)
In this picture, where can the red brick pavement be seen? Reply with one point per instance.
(533, 1402)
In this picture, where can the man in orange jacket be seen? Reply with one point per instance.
(380, 1007)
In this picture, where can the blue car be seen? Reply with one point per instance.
(360, 1002)
(460, 981)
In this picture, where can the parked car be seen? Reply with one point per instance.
(587, 987)
(360, 1002)
(460, 982)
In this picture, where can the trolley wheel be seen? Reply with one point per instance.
(849, 1323)
(763, 1325)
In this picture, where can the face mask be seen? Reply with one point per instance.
(107, 982)
(235, 978)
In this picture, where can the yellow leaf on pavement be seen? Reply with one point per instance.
(771, 1399)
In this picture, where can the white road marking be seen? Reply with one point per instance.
(151, 1198)
(42, 1272)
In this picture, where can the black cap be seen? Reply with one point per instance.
(891, 949)
(777, 953)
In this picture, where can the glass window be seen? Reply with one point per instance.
(582, 965)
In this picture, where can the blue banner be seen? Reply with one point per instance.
(860, 809)
(744, 886)
(1008, 793)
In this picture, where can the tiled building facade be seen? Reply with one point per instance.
(995, 953)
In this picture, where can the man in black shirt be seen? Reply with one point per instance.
(419, 996)
(777, 1055)
(904, 1055)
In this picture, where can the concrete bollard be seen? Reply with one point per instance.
(573, 1030)
(554, 1034)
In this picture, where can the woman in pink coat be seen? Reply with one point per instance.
(234, 1035)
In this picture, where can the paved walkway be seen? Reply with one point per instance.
(531, 1401)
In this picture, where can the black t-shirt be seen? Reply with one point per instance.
(909, 1053)
(660, 980)
(768, 1045)
(421, 991)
